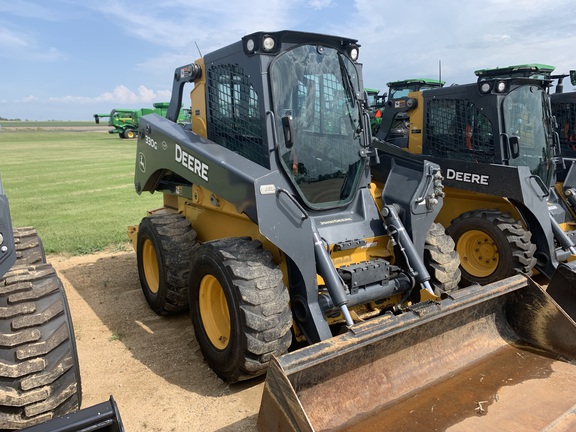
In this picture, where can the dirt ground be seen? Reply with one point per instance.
(151, 365)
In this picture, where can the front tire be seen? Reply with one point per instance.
(239, 307)
(492, 246)
(441, 260)
(164, 250)
(39, 370)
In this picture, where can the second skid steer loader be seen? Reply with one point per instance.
(498, 152)
(292, 261)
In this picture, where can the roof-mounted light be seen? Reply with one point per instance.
(354, 53)
(268, 43)
(250, 45)
(501, 86)
(485, 87)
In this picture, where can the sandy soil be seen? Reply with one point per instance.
(151, 365)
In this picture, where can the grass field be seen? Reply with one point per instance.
(75, 187)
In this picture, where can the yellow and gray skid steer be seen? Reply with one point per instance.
(292, 261)
(503, 208)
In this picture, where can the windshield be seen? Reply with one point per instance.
(527, 116)
(314, 90)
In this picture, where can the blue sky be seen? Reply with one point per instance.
(70, 59)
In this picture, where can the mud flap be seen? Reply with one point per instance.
(414, 371)
(562, 287)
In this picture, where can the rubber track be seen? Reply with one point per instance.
(39, 375)
(29, 248)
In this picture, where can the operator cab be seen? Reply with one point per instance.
(527, 133)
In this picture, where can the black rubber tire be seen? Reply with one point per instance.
(29, 247)
(257, 301)
(509, 239)
(129, 133)
(441, 260)
(39, 370)
(173, 241)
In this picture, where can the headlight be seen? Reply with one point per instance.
(354, 53)
(268, 43)
(250, 45)
(501, 86)
(485, 87)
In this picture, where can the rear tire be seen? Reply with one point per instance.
(441, 260)
(239, 307)
(164, 250)
(492, 246)
(39, 371)
(129, 134)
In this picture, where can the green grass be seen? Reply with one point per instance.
(75, 188)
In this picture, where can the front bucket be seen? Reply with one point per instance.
(562, 287)
(486, 358)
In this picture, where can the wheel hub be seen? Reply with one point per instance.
(150, 266)
(478, 252)
(214, 312)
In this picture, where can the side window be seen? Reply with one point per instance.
(456, 129)
(234, 112)
(565, 114)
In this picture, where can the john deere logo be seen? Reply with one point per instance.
(142, 162)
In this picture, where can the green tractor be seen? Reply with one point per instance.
(125, 121)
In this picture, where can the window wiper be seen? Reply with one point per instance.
(347, 81)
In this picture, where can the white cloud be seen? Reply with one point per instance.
(12, 40)
(320, 4)
(497, 38)
(119, 95)
(28, 99)
(28, 9)
(19, 45)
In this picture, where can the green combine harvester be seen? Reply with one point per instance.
(125, 121)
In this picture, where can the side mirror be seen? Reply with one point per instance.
(514, 146)
(288, 131)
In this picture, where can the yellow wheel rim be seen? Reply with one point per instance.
(214, 312)
(478, 253)
(130, 134)
(150, 266)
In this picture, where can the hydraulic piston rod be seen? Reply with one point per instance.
(398, 232)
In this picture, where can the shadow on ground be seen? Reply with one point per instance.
(165, 345)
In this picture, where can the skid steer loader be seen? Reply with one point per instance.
(40, 389)
(293, 262)
(564, 111)
(497, 148)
